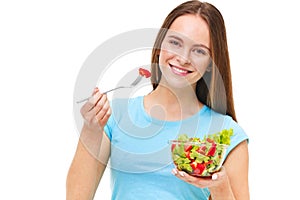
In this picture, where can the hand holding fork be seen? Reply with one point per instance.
(142, 73)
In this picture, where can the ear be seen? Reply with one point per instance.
(209, 67)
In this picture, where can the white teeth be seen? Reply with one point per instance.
(179, 70)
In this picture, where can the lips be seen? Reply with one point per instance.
(179, 70)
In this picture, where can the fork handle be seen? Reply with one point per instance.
(115, 89)
(83, 100)
(86, 99)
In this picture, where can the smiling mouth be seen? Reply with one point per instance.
(179, 71)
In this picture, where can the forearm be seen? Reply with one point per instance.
(84, 175)
(88, 165)
(91, 140)
(223, 191)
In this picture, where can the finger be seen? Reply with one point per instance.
(197, 181)
(100, 104)
(105, 118)
(96, 89)
(103, 110)
(183, 176)
(90, 104)
(95, 99)
(219, 175)
(96, 114)
(214, 177)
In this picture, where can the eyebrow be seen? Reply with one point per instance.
(178, 38)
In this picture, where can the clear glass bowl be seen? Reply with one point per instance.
(198, 158)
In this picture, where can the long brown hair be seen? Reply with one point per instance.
(215, 88)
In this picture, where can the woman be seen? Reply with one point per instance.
(192, 93)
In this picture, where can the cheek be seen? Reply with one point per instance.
(203, 67)
(165, 56)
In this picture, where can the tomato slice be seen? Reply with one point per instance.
(173, 147)
(202, 150)
(188, 155)
(187, 148)
(144, 72)
(198, 168)
(212, 150)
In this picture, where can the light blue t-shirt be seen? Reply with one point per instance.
(141, 162)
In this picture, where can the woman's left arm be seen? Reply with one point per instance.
(231, 183)
(235, 175)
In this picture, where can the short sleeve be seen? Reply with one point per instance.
(239, 136)
(108, 128)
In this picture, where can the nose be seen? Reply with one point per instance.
(184, 57)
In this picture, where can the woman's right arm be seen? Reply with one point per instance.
(92, 151)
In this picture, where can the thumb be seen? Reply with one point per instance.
(219, 175)
(96, 89)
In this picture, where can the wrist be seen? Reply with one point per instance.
(91, 139)
(222, 190)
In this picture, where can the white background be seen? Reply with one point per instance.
(43, 45)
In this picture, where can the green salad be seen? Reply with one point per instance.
(201, 157)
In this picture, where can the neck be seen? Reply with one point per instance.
(184, 96)
(178, 103)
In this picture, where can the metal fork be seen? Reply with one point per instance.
(134, 83)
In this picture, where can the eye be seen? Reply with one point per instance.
(175, 43)
(199, 51)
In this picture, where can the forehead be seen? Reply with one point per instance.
(192, 27)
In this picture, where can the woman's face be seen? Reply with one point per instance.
(185, 53)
